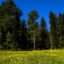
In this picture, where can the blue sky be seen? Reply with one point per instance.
(42, 6)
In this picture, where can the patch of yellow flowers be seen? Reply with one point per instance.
(24, 57)
(30, 53)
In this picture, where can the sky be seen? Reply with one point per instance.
(43, 8)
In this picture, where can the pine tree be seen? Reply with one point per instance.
(62, 30)
(10, 22)
(44, 44)
(33, 15)
(59, 29)
(53, 31)
(22, 35)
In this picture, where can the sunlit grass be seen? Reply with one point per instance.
(32, 57)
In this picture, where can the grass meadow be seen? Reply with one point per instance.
(32, 57)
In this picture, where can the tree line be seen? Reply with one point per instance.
(18, 34)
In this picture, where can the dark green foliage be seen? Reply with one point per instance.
(53, 29)
(44, 43)
(61, 29)
(15, 34)
(32, 27)
(10, 25)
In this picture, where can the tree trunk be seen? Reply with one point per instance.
(51, 43)
(60, 41)
(34, 46)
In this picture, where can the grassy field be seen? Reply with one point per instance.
(32, 57)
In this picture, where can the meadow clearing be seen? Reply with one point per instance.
(32, 57)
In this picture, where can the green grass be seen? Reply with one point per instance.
(32, 57)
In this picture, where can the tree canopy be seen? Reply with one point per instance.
(18, 34)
